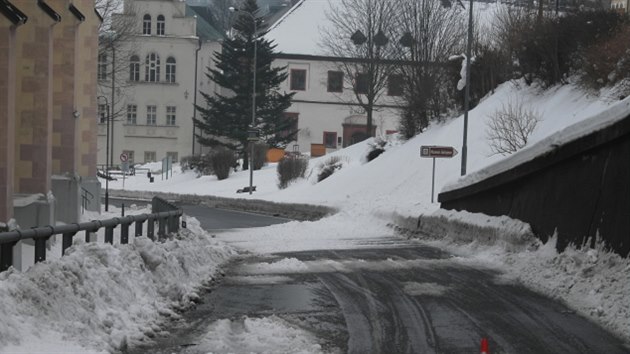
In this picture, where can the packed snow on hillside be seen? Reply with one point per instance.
(102, 298)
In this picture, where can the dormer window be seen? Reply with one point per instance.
(146, 24)
(160, 25)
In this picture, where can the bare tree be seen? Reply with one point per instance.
(115, 33)
(510, 127)
(359, 34)
(432, 33)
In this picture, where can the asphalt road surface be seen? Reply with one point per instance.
(409, 299)
(396, 297)
(214, 218)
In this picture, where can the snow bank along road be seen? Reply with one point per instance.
(389, 296)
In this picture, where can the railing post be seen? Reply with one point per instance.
(124, 232)
(138, 228)
(151, 228)
(161, 228)
(6, 255)
(40, 249)
(87, 236)
(66, 241)
(109, 235)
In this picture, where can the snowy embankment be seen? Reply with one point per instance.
(105, 296)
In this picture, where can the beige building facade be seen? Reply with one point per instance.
(47, 106)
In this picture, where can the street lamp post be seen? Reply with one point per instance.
(107, 119)
(467, 90)
(251, 154)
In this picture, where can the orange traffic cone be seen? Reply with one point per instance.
(484, 346)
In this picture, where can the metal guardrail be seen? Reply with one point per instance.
(164, 213)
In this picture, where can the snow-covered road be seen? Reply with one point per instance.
(389, 295)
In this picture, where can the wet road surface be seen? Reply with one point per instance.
(398, 297)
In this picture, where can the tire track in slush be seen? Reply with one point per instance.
(367, 301)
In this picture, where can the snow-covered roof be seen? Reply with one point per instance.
(298, 31)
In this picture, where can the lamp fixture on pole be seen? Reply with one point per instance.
(254, 69)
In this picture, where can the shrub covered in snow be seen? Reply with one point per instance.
(377, 147)
(328, 167)
(222, 162)
(260, 155)
(290, 168)
(201, 164)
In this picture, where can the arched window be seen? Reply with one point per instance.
(152, 68)
(170, 69)
(134, 68)
(146, 24)
(160, 25)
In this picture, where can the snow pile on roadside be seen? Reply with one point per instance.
(339, 231)
(105, 296)
(256, 335)
(474, 229)
(592, 281)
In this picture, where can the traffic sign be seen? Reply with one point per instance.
(124, 157)
(437, 151)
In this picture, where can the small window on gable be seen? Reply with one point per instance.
(146, 24)
(160, 25)
(335, 81)
(298, 80)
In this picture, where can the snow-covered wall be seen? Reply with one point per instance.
(576, 187)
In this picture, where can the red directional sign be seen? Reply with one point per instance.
(437, 151)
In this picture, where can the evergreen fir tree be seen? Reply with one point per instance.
(227, 116)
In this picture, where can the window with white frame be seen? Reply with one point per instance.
(160, 25)
(362, 83)
(172, 155)
(149, 156)
(170, 115)
(335, 81)
(170, 69)
(152, 68)
(102, 66)
(151, 115)
(130, 156)
(298, 80)
(134, 68)
(132, 114)
(146, 24)
(330, 140)
(102, 113)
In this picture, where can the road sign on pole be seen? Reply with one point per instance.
(124, 157)
(433, 151)
(437, 151)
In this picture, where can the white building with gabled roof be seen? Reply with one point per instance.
(321, 106)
